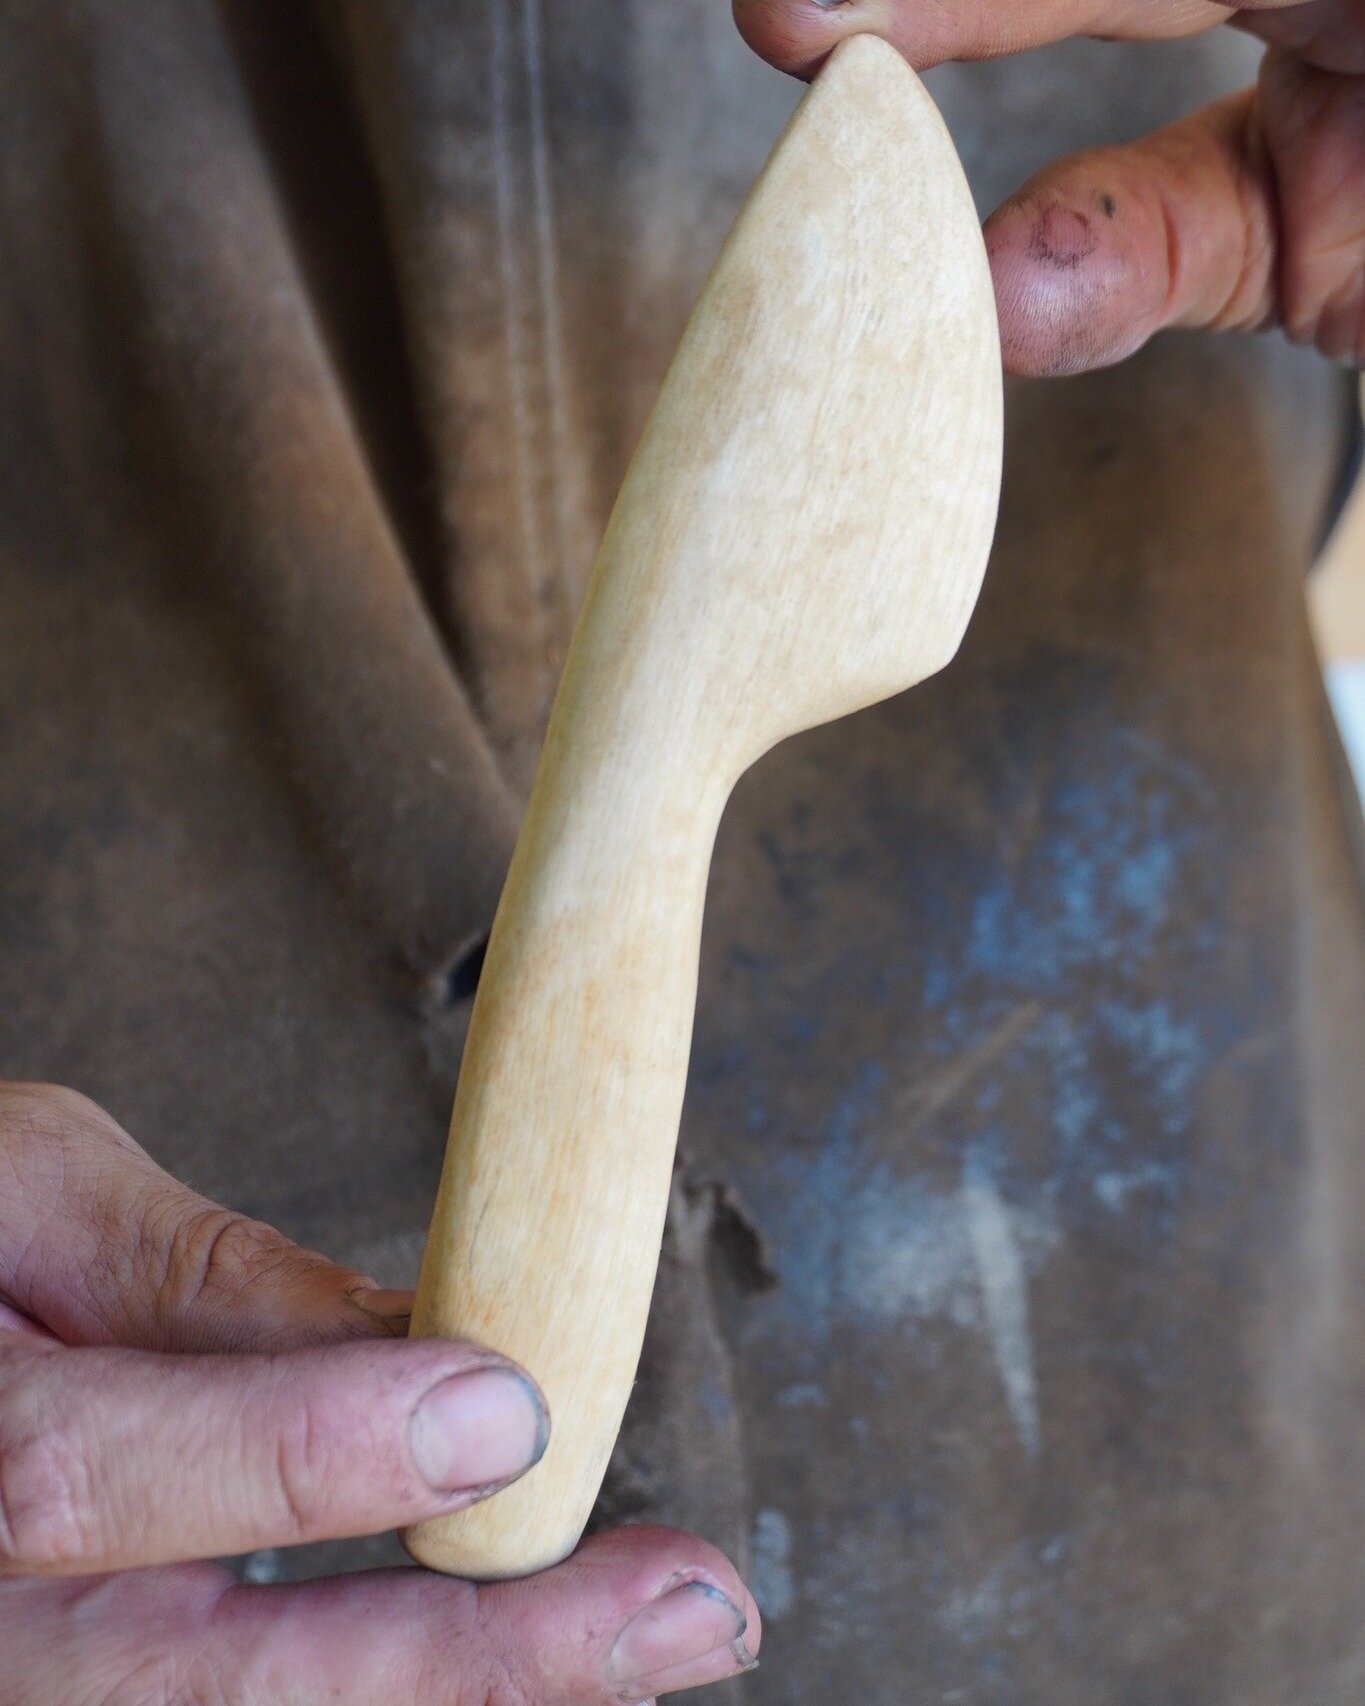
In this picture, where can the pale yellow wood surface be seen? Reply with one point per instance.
(803, 531)
(1336, 588)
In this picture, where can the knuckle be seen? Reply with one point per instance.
(172, 1659)
(502, 1687)
(307, 1459)
(483, 1682)
(48, 1515)
(219, 1279)
(214, 1251)
(471, 1642)
(500, 1684)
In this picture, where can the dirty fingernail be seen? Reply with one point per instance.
(692, 1625)
(477, 1429)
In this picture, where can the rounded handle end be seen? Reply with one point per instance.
(461, 1545)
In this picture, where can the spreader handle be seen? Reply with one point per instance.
(550, 1214)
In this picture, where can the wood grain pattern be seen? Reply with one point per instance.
(803, 530)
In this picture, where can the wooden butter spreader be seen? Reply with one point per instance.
(802, 531)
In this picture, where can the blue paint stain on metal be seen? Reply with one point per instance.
(1113, 1189)
(1098, 883)
(857, 1242)
(1076, 1106)
(1091, 917)
(1167, 1051)
(1091, 900)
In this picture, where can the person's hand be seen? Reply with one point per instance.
(178, 1383)
(1249, 213)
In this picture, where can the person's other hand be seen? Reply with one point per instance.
(178, 1383)
(1249, 213)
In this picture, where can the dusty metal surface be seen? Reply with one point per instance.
(1005, 1046)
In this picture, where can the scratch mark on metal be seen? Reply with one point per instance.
(950, 1083)
(1004, 1296)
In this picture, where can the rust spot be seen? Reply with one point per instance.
(1108, 206)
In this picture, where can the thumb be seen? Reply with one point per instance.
(1103, 249)
(1247, 214)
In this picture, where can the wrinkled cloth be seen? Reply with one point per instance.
(1010, 1320)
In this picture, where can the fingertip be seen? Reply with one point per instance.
(644, 1557)
(674, 1612)
(478, 1430)
(1071, 292)
(794, 35)
(1036, 290)
(799, 35)
(384, 1312)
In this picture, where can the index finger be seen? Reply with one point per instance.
(111, 1459)
(797, 35)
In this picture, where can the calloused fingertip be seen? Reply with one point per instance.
(1067, 295)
